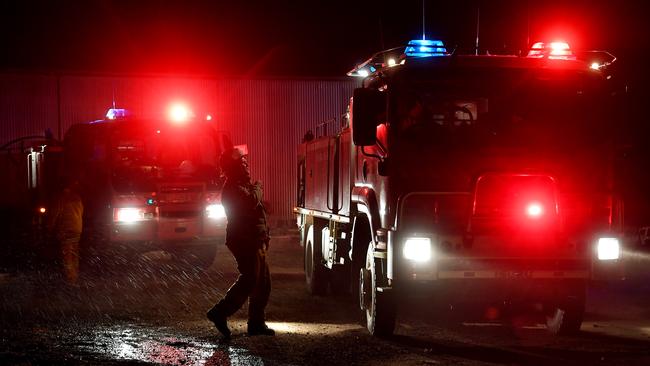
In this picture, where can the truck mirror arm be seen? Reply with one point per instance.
(382, 166)
(383, 148)
(367, 154)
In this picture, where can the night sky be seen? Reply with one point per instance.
(291, 38)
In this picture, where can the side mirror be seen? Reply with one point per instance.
(368, 106)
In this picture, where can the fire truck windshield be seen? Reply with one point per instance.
(140, 158)
(481, 107)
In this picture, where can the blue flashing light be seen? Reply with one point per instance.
(425, 48)
(115, 113)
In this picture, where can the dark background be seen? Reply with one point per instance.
(291, 38)
(299, 39)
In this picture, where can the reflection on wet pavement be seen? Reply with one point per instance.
(153, 345)
(311, 328)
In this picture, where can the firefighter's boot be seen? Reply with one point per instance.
(255, 329)
(220, 322)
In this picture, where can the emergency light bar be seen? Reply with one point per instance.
(551, 50)
(417, 48)
(115, 113)
(425, 48)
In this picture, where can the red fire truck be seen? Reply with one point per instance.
(464, 178)
(148, 181)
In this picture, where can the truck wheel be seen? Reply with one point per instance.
(565, 317)
(315, 272)
(359, 241)
(380, 308)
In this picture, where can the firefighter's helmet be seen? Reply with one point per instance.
(230, 160)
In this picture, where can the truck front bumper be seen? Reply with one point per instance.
(165, 230)
(489, 290)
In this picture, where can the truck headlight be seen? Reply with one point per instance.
(608, 249)
(417, 249)
(129, 214)
(215, 211)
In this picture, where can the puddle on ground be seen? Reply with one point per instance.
(135, 343)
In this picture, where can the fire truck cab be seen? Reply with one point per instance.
(466, 178)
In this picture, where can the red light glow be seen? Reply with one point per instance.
(534, 210)
(552, 50)
(559, 48)
(179, 113)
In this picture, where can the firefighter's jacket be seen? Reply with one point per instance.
(65, 216)
(247, 228)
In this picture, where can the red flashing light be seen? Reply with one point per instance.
(179, 113)
(552, 50)
(534, 210)
(560, 48)
(42, 210)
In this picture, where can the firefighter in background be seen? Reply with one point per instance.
(247, 237)
(64, 225)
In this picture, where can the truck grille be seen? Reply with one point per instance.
(180, 193)
(179, 214)
(180, 188)
(443, 213)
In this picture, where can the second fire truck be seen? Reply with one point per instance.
(149, 182)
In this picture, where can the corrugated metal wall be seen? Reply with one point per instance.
(28, 105)
(270, 116)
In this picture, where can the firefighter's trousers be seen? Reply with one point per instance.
(254, 284)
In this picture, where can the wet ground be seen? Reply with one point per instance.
(149, 308)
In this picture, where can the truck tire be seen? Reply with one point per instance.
(379, 308)
(359, 241)
(315, 272)
(565, 317)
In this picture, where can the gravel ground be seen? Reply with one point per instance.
(149, 308)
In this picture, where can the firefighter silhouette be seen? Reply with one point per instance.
(247, 238)
(64, 225)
